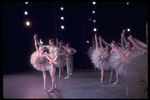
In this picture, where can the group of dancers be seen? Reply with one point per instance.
(127, 58)
(121, 57)
(52, 56)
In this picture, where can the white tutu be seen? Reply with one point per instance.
(60, 62)
(136, 75)
(116, 61)
(39, 63)
(98, 62)
(90, 50)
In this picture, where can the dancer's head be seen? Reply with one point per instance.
(68, 45)
(41, 49)
(114, 42)
(52, 42)
(128, 46)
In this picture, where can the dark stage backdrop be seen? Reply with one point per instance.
(111, 18)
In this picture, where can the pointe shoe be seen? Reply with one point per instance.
(102, 81)
(51, 90)
(44, 87)
(115, 83)
(56, 87)
(67, 77)
(70, 73)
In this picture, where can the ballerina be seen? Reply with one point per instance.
(38, 61)
(99, 57)
(53, 55)
(68, 53)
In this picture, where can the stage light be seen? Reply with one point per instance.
(26, 13)
(95, 29)
(27, 23)
(93, 11)
(94, 21)
(127, 3)
(94, 2)
(26, 3)
(61, 8)
(62, 18)
(62, 27)
(128, 29)
(87, 41)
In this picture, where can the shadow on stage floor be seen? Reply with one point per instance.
(82, 84)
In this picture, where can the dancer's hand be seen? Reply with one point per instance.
(122, 34)
(100, 38)
(54, 62)
(130, 37)
(35, 35)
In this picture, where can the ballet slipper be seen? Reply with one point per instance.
(115, 83)
(44, 87)
(51, 90)
(56, 87)
(67, 77)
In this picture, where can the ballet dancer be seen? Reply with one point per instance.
(68, 53)
(53, 55)
(38, 61)
(99, 57)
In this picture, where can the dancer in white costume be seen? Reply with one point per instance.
(99, 57)
(53, 54)
(62, 58)
(68, 53)
(40, 62)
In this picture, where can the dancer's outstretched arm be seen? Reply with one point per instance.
(96, 43)
(105, 42)
(136, 45)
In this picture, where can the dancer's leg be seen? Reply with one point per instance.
(116, 78)
(54, 81)
(71, 65)
(59, 72)
(102, 73)
(44, 78)
(111, 75)
(142, 44)
(68, 69)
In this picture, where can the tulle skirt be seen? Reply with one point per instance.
(116, 63)
(90, 50)
(99, 63)
(39, 63)
(136, 75)
(42, 63)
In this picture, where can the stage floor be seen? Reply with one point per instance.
(82, 84)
